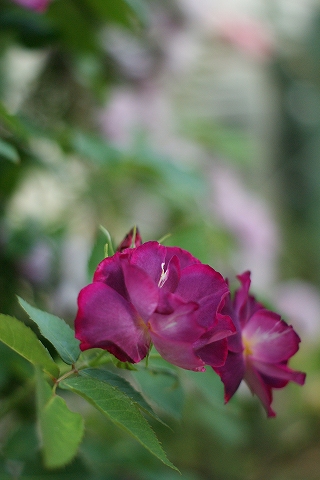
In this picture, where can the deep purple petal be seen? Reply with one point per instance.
(185, 257)
(281, 372)
(244, 304)
(213, 353)
(170, 276)
(180, 325)
(231, 374)
(150, 257)
(110, 272)
(270, 338)
(142, 290)
(199, 281)
(106, 320)
(173, 335)
(259, 387)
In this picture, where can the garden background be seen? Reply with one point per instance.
(199, 119)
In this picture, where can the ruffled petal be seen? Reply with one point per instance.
(106, 320)
(269, 338)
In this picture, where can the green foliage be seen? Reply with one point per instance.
(119, 409)
(61, 430)
(56, 330)
(123, 385)
(24, 341)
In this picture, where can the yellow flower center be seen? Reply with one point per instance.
(247, 347)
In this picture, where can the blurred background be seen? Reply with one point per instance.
(196, 118)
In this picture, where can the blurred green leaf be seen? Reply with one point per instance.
(61, 432)
(9, 152)
(56, 330)
(12, 123)
(119, 408)
(122, 384)
(24, 341)
(162, 386)
(122, 11)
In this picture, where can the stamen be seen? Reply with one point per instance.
(163, 276)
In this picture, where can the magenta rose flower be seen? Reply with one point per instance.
(160, 295)
(260, 350)
(37, 5)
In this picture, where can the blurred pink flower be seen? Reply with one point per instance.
(37, 5)
(247, 34)
(160, 295)
(260, 350)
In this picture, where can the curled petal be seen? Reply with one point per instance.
(106, 320)
(269, 338)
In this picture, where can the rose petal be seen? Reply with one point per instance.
(270, 338)
(150, 257)
(142, 290)
(213, 353)
(110, 272)
(280, 371)
(258, 387)
(185, 257)
(180, 325)
(231, 374)
(199, 281)
(106, 320)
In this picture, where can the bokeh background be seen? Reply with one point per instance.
(198, 118)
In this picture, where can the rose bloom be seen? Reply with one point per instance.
(38, 5)
(260, 350)
(152, 294)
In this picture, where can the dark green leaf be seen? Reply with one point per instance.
(56, 330)
(122, 384)
(24, 341)
(119, 408)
